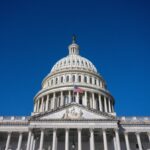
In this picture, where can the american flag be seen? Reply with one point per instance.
(77, 89)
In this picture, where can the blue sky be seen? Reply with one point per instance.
(114, 35)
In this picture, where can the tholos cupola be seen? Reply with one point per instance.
(74, 48)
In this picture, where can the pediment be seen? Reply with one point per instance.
(73, 112)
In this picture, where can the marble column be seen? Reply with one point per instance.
(70, 97)
(8, 141)
(115, 142)
(100, 103)
(67, 139)
(54, 146)
(117, 139)
(54, 101)
(29, 140)
(77, 98)
(105, 104)
(93, 100)
(35, 106)
(105, 139)
(79, 139)
(34, 142)
(47, 101)
(42, 104)
(62, 98)
(127, 141)
(85, 98)
(112, 107)
(38, 106)
(19, 141)
(92, 142)
(32, 139)
(139, 140)
(148, 134)
(109, 103)
(41, 140)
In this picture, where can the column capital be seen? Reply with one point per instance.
(67, 129)
(42, 129)
(54, 129)
(30, 130)
(116, 129)
(79, 129)
(104, 129)
(137, 133)
(148, 133)
(91, 129)
(126, 133)
(9, 132)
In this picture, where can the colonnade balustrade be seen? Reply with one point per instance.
(31, 141)
(58, 99)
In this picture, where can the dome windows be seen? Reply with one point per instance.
(82, 63)
(90, 80)
(85, 79)
(62, 79)
(56, 81)
(51, 82)
(73, 62)
(67, 79)
(79, 78)
(73, 78)
(95, 81)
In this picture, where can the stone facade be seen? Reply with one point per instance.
(74, 111)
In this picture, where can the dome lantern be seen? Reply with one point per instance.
(73, 48)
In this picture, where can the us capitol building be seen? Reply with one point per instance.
(74, 111)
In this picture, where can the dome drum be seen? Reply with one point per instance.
(74, 78)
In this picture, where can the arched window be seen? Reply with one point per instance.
(73, 78)
(85, 79)
(56, 81)
(78, 62)
(82, 62)
(73, 62)
(86, 64)
(62, 79)
(52, 82)
(67, 79)
(90, 80)
(79, 78)
(95, 81)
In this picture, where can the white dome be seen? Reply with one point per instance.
(74, 62)
(69, 73)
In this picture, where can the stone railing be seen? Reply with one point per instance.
(14, 118)
(134, 119)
